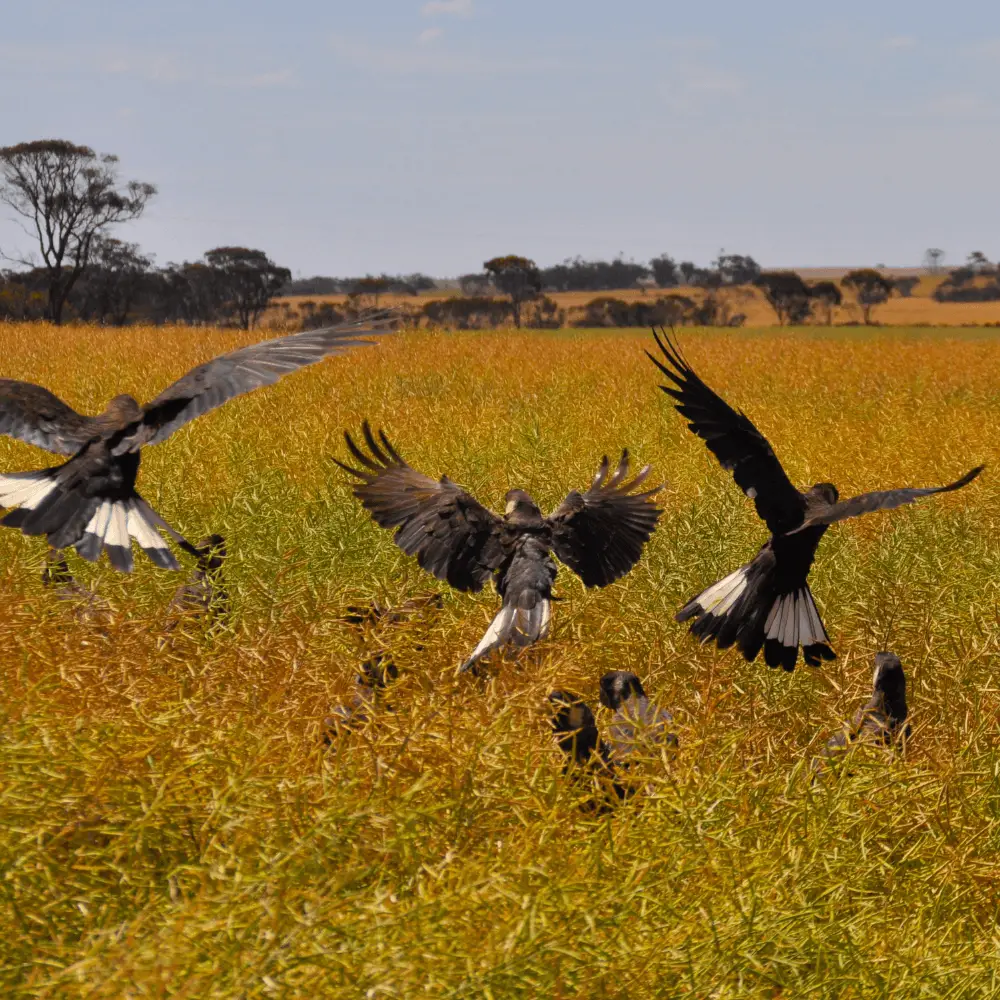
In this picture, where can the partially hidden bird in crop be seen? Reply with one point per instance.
(377, 614)
(882, 720)
(56, 577)
(377, 673)
(587, 757)
(638, 728)
(90, 502)
(767, 603)
(204, 596)
(599, 534)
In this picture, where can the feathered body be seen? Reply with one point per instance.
(638, 727)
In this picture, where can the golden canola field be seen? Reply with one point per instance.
(171, 826)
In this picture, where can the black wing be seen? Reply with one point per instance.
(733, 439)
(241, 371)
(886, 500)
(36, 416)
(600, 534)
(452, 535)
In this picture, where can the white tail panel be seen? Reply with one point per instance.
(520, 626)
(25, 489)
(117, 533)
(142, 531)
(98, 524)
(721, 596)
(794, 621)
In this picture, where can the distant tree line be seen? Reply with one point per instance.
(977, 281)
(119, 285)
(398, 284)
(68, 198)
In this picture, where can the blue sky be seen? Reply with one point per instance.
(404, 135)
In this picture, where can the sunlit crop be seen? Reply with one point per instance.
(171, 825)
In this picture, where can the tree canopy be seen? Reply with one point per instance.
(67, 197)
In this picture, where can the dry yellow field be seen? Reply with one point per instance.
(173, 827)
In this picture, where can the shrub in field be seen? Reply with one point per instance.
(871, 288)
(324, 314)
(609, 311)
(468, 312)
(787, 294)
(977, 281)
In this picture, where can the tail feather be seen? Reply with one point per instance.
(744, 609)
(25, 489)
(61, 509)
(116, 540)
(89, 547)
(113, 526)
(150, 540)
(520, 627)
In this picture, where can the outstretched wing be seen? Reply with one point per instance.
(733, 439)
(600, 534)
(885, 500)
(36, 416)
(241, 371)
(452, 535)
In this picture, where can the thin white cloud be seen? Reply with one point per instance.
(428, 35)
(900, 42)
(429, 59)
(461, 8)
(959, 106)
(275, 78)
(988, 47)
(692, 86)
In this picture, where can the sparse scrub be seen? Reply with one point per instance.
(173, 826)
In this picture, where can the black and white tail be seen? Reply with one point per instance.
(48, 505)
(748, 610)
(516, 626)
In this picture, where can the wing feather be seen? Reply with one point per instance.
(452, 535)
(36, 416)
(740, 448)
(210, 385)
(866, 503)
(600, 534)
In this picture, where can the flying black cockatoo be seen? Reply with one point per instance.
(767, 603)
(90, 501)
(599, 534)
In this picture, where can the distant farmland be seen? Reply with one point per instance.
(920, 309)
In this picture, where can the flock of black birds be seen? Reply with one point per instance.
(89, 503)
